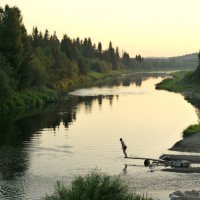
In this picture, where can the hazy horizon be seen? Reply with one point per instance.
(151, 28)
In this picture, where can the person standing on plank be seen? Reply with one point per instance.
(124, 147)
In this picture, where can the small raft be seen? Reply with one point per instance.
(150, 162)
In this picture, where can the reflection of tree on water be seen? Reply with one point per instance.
(88, 100)
(110, 98)
(126, 82)
(14, 159)
(136, 79)
(16, 132)
(15, 136)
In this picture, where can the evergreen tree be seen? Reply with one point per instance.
(197, 72)
(111, 56)
(110, 48)
(138, 58)
(126, 58)
(69, 47)
(54, 44)
(35, 37)
(99, 48)
(11, 28)
(117, 52)
(46, 35)
(66, 46)
(199, 60)
(88, 49)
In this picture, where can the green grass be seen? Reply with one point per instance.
(181, 81)
(34, 98)
(175, 83)
(191, 130)
(28, 99)
(95, 186)
(108, 74)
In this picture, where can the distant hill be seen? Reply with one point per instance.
(188, 61)
(192, 56)
(188, 57)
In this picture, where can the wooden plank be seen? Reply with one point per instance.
(140, 158)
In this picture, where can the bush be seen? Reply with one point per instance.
(101, 66)
(95, 186)
(192, 129)
(27, 99)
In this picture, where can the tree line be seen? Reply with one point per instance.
(41, 59)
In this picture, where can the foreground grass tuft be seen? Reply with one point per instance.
(95, 186)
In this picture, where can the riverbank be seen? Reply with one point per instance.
(188, 144)
(28, 99)
(179, 82)
(33, 98)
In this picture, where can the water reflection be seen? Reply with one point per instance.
(123, 82)
(18, 131)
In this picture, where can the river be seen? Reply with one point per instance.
(81, 132)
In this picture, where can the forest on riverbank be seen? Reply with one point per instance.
(35, 67)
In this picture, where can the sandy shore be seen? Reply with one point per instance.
(188, 144)
(183, 170)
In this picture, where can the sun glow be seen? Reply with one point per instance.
(150, 28)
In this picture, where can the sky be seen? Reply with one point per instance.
(152, 28)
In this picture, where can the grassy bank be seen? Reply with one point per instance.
(178, 82)
(37, 97)
(95, 186)
(191, 130)
(28, 99)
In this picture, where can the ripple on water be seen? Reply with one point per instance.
(147, 182)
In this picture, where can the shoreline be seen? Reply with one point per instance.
(188, 144)
(191, 93)
(34, 98)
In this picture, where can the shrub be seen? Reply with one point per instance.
(95, 186)
(101, 66)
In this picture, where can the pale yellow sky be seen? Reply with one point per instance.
(146, 27)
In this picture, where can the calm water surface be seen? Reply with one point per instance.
(82, 132)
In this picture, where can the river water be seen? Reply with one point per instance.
(81, 133)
